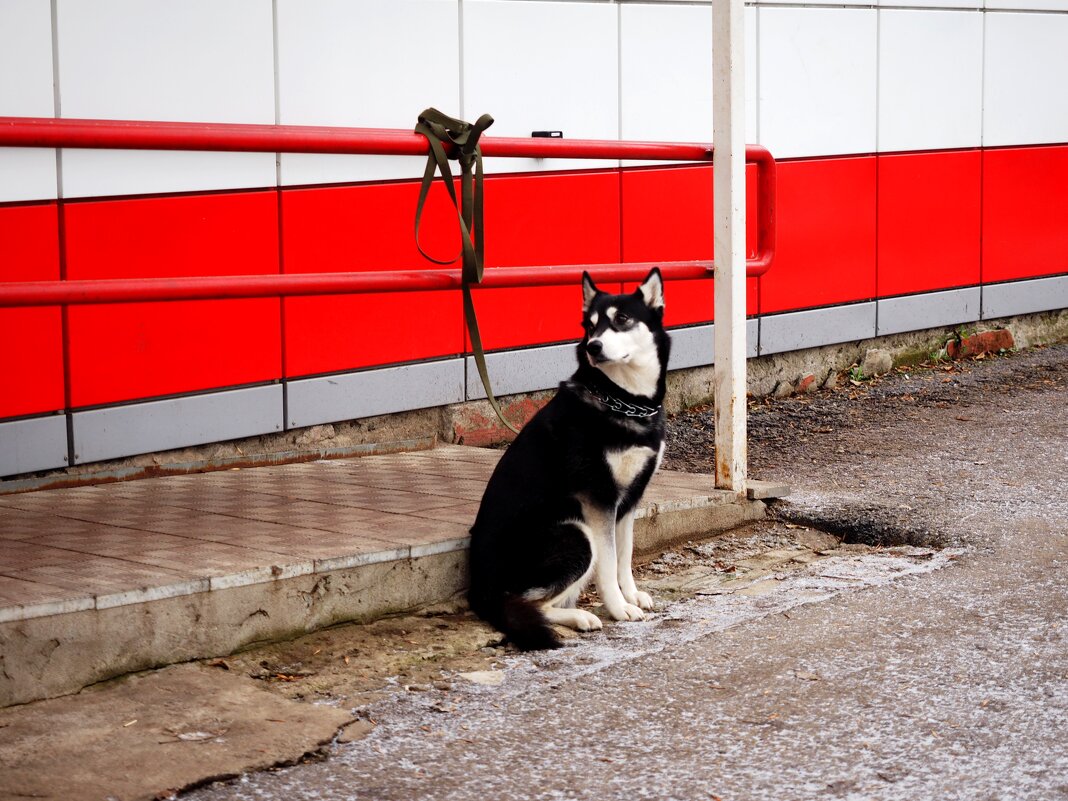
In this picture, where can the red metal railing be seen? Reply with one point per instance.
(142, 135)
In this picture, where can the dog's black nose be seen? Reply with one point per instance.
(594, 347)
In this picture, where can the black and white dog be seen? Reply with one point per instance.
(559, 507)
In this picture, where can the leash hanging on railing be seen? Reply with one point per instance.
(440, 129)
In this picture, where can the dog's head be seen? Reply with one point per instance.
(625, 336)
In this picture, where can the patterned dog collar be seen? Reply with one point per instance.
(621, 406)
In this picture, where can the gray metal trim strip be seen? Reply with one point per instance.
(928, 310)
(530, 370)
(816, 327)
(162, 425)
(1025, 297)
(329, 399)
(696, 346)
(37, 443)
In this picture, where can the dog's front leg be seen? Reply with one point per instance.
(625, 572)
(607, 576)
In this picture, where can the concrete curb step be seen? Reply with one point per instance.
(100, 581)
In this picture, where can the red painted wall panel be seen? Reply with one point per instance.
(1025, 212)
(667, 216)
(545, 219)
(122, 352)
(31, 340)
(367, 228)
(825, 252)
(929, 221)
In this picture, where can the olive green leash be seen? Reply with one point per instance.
(440, 129)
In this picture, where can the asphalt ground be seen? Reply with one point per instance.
(929, 661)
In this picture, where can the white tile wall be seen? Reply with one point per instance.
(542, 66)
(364, 63)
(817, 81)
(194, 61)
(26, 91)
(930, 79)
(591, 69)
(1026, 70)
(666, 73)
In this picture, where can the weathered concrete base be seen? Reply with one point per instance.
(48, 656)
(155, 734)
(658, 531)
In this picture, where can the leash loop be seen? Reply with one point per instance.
(462, 138)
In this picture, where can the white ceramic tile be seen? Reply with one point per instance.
(26, 52)
(1024, 83)
(364, 63)
(542, 66)
(931, 3)
(194, 61)
(930, 79)
(844, 3)
(1028, 5)
(817, 81)
(666, 73)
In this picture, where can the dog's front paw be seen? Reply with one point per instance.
(626, 611)
(640, 599)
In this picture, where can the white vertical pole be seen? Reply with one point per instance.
(728, 138)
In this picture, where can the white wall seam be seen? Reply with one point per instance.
(460, 50)
(277, 90)
(56, 98)
(756, 75)
(982, 84)
(619, 77)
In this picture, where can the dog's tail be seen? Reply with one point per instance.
(520, 620)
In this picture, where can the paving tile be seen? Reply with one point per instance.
(697, 482)
(411, 530)
(101, 575)
(119, 543)
(18, 524)
(210, 559)
(48, 500)
(23, 554)
(431, 485)
(357, 549)
(464, 515)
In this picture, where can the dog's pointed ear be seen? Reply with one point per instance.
(652, 290)
(589, 291)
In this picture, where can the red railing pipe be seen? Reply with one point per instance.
(224, 287)
(144, 135)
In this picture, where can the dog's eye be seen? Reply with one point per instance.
(621, 319)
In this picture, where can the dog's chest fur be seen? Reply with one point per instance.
(628, 463)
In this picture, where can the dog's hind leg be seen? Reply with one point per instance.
(624, 556)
